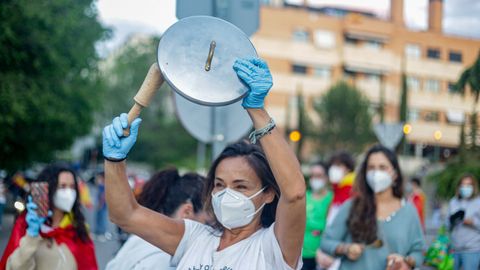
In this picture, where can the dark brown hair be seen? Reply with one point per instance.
(167, 190)
(362, 220)
(475, 184)
(255, 157)
(344, 158)
(50, 174)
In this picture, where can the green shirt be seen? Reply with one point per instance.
(317, 210)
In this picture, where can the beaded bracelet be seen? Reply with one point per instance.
(259, 133)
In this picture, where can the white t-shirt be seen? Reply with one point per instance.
(138, 254)
(197, 251)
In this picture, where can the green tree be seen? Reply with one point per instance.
(469, 156)
(346, 122)
(471, 77)
(48, 83)
(403, 112)
(162, 140)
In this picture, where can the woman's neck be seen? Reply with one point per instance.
(57, 217)
(231, 237)
(385, 196)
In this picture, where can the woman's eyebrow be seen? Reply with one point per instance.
(240, 181)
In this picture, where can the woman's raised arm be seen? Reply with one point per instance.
(290, 216)
(123, 209)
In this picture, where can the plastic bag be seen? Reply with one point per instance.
(438, 254)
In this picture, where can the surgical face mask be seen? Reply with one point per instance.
(64, 199)
(233, 209)
(379, 180)
(335, 174)
(317, 184)
(466, 191)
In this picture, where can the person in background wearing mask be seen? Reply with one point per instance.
(256, 194)
(377, 229)
(341, 174)
(464, 212)
(319, 198)
(168, 193)
(417, 197)
(60, 241)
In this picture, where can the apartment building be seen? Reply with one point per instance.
(311, 48)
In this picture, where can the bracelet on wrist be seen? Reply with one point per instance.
(259, 133)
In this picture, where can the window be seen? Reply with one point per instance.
(300, 35)
(324, 39)
(455, 57)
(412, 51)
(432, 86)
(299, 69)
(451, 88)
(413, 115)
(413, 83)
(433, 53)
(455, 117)
(349, 76)
(431, 116)
(351, 41)
(373, 78)
(373, 44)
(322, 72)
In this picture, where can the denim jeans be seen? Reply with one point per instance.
(101, 220)
(2, 207)
(467, 260)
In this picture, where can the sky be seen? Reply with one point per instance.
(126, 17)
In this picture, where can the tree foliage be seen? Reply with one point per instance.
(469, 156)
(471, 77)
(447, 179)
(48, 82)
(162, 140)
(346, 122)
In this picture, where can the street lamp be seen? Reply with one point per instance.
(407, 129)
(295, 136)
(437, 135)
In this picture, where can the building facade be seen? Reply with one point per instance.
(311, 48)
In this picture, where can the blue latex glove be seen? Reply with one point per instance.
(34, 221)
(255, 73)
(115, 146)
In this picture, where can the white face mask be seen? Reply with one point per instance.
(466, 191)
(64, 199)
(336, 174)
(379, 180)
(317, 184)
(233, 209)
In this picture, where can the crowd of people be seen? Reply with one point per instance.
(253, 210)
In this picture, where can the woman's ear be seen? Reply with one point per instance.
(184, 211)
(269, 195)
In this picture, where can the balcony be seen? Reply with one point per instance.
(370, 60)
(298, 52)
(428, 68)
(290, 84)
(440, 101)
(423, 132)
